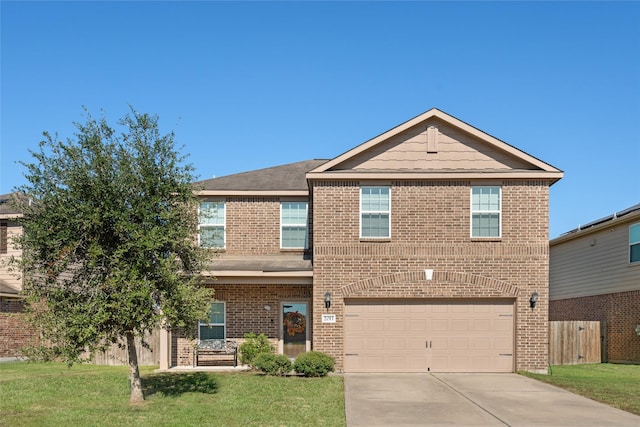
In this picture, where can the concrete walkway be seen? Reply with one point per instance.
(471, 400)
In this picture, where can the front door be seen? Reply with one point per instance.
(294, 328)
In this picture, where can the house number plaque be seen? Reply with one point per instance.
(328, 318)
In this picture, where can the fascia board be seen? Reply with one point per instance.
(344, 175)
(288, 193)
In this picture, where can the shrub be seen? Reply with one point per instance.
(272, 364)
(314, 364)
(252, 346)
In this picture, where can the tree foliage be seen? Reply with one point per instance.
(108, 236)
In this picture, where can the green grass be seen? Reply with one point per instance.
(615, 385)
(41, 394)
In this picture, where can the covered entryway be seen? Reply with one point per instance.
(429, 336)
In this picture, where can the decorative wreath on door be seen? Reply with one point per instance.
(294, 322)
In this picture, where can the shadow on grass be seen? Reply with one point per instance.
(176, 384)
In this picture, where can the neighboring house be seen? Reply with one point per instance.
(14, 332)
(416, 251)
(595, 275)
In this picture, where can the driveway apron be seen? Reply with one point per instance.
(471, 400)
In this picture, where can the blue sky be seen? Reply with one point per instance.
(248, 85)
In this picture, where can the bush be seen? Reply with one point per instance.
(314, 364)
(272, 364)
(253, 346)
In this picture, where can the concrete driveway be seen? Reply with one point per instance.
(470, 400)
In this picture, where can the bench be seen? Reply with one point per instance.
(213, 350)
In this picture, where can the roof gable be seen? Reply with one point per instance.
(435, 142)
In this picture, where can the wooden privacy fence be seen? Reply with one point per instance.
(574, 342)
(119, 356)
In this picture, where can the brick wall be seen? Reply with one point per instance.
(15, 332)
(246, 313)
(253, 225)
(618, 313)
(430, 229)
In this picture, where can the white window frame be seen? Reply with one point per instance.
(283, 225)
(374, 212)
(223, 225)
(499, 212)
(202, 323)
(633, 243)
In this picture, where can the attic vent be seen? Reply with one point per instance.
(432, 139)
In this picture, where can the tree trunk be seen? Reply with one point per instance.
(134, 371)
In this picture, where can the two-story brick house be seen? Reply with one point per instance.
(419, 250)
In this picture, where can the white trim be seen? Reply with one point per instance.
(223, 225)
(306, 224)
(360, 212)
(472, 212)
(286, 193)
(448, 175)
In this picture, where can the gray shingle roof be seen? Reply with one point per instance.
(287, 177)
(5, 207)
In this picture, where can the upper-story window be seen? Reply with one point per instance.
(211, 227)
(375, 212)
(293, 223)
(486, 211)
(634, 243)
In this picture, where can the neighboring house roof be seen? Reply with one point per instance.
(7, 209)
(287, 179)
(8, 289)
(435, 145)
(623, 215)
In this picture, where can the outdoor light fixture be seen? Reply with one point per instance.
(327, 300)
(534, 299)
(267, 307)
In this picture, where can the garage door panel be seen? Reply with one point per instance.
(481, 344)
(481, 325)
(418, 325)
(439, 324)
(460, 344)
(460, 325)
(396, 325)
(503, 324)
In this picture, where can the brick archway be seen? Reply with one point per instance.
(439, 277)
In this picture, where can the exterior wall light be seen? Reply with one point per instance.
(533, 300)
(327, 300)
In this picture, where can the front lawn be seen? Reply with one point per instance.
(615, 385)
(39, 394)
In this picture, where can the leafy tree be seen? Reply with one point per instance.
(108, 243)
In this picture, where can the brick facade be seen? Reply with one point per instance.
(15, 332)
(245, 313)
(618, 314)
(430, 229)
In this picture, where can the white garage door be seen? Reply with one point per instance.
(428, 336)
